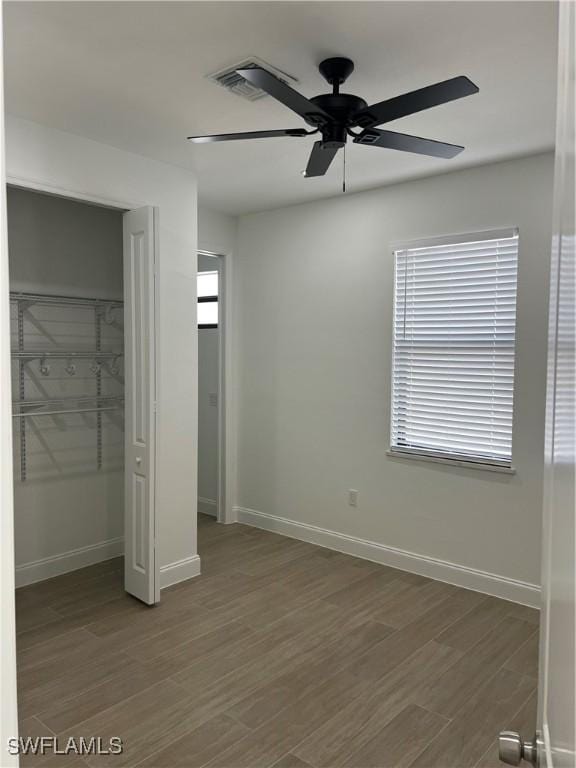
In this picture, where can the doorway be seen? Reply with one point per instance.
(211, 376)
(84, 481)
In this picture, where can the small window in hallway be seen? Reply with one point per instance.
(208, 299)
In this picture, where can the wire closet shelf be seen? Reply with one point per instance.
(105, 311)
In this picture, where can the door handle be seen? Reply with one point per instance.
(512, 748)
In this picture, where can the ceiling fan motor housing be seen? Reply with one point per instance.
(341, 107)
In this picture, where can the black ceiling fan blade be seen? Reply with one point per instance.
(415, 101)
(320, 159)
(249, 135)
(404, 143)
(288, 96)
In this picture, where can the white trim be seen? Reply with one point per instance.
(9, 700)
(156, 385)
(228, 454)
(464, 463)
(47, 567)
(71, 194)
(456, 239)
(222, 388)
(451, 573)
(181, 570)
(207, 507)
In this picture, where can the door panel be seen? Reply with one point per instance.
(140, 567)
(554, 744)
(556, 715)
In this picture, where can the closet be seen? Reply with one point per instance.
(83, 337)
(67, 339)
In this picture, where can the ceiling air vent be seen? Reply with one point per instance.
(230, 79)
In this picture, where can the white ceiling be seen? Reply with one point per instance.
(131, 74)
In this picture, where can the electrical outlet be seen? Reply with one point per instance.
(352, 497)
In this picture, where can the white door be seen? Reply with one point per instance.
(557, 712)
(140, 568)
(554, 744)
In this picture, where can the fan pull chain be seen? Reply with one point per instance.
(344, 170)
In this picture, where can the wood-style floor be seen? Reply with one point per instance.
(281, 654)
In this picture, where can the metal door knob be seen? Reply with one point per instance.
(513, 749)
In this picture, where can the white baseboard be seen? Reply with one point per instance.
(461, 576)
(207, 507)
(39, 570)
(181, 570)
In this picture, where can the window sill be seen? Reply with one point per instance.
(451, 462)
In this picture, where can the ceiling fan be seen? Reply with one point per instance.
(339, 115)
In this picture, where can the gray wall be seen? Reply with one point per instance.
(217, 232)
(71, 247)
(314, 288)
(59, 246)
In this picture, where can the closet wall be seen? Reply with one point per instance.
(67, 512)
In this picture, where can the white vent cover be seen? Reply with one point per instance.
(230, 79)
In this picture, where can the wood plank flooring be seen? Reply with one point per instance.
(281, 655)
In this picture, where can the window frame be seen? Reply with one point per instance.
(204, 299)
(431, 455)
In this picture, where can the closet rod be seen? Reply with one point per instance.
(66, 399)
(63, 354)
(79, 301)
(71, 410)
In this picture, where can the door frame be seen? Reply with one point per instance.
(9, 705)
(224, 495)
(123, 206)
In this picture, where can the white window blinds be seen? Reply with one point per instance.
(454, 335)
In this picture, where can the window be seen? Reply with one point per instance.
(208, 299)
(454, 338)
